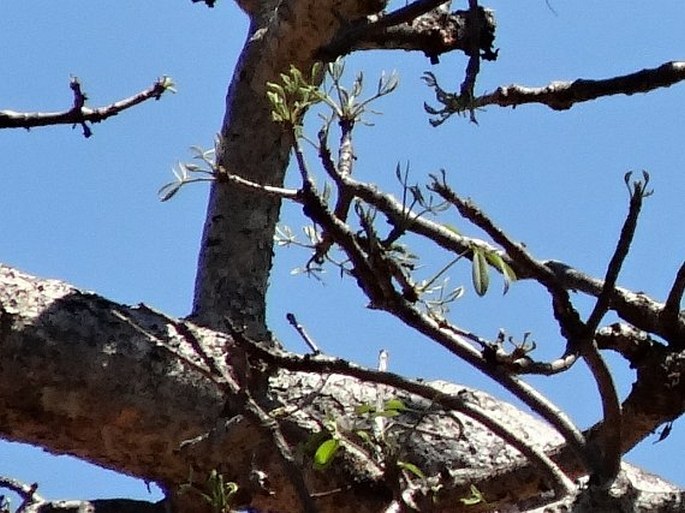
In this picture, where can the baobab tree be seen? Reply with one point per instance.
(210, 407)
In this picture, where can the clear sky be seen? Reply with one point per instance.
(86, 211)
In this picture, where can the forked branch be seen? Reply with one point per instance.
(558, 95)
(79, 114)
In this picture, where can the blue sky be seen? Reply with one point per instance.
(86, 211)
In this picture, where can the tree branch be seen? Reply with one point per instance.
(371, 273)
(449, 402)
(45, 326)
(637, 309)
(563, 95)
(418, 26)
(557, 95)
(79, 114)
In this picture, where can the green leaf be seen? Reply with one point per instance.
(509, 275)
(394, 404)
(475, 498)
(410, 467)
(507, 272)
(326, 452)
(364, 435)
(386, 413)
(479, 272)
(169, 191)
(364, 408)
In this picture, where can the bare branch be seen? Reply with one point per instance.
(79, 114)
(418, 26)
(611, 449)
(563, 95)
(638, 192)
(271, 190)
(671, 310)
(303, 333)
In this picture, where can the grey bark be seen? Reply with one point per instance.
(124, 387)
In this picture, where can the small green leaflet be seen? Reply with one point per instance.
(507, 272)
(410, 467)
(479, 272)
(326, 452)
(475, 498)
(391, 408)
(394, 404)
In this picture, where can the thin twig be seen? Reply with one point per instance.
(203, 370)
(281, 192)
(268, 424)
(271, 427)
(638, 193)
(561, 483)
(611, 406)
(303, 333)
(79, 114)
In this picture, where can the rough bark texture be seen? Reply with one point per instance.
(236, 251)
(240, 225)
(126, 387)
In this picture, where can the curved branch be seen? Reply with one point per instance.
(450, 402)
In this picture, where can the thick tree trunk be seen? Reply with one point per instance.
(236, 251)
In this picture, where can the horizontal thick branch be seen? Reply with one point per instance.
(563, 95)
(412, 28)
(140, 400)
(557, 95)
